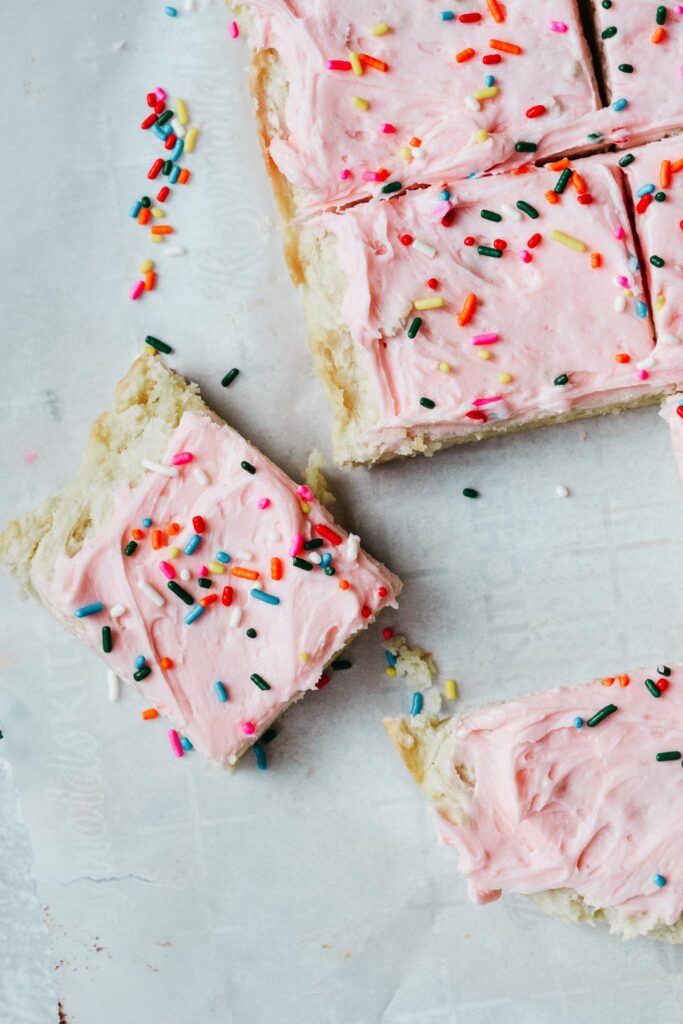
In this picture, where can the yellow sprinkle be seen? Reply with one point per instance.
(173, 552)
(505, 378)
(406, 153)
(356, 65)
(450, 689)
(659, 302)
(445, 367)
(357, 101)
(156, 211)
(157, 239)
(486, 93)
(304, 656)
(380, 29)
(481, 135)
(216, 567)
(391, 671)
(181, 111)
(305, 507)
(191, 139)
(484, 353)
(434, 303)
(627, 293)
(146, 266)
(571, 243)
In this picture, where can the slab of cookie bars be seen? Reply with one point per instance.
(354, 97)
(656, 180)
(198, 570)
(504, 302)
(641, 46)
(574, 795)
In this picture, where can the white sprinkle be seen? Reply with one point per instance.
(510, 211)
(670, 339)
(156, 467)
(117, 611)
(190, 5)
(235, 616)
(175, 250)
(646, 364)
(620, 303)
(424, 248)
(177, 127)
(151, 593)
(471, 103)
(352, 546)
(201, 476)
(561, 491)
(244, 556)
(274, 537)
(314, 557)
(185, 575)
(113, 685)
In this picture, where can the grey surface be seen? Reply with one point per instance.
(316, 893)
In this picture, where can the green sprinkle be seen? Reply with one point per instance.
(527, 208)
(626, 68)
(594, 137)
(469, 492)
(130, 547)
(608, 33)
(562, 181)
(525, 147)
(491, 215)
(145, 201)
(229, 377)
(247, 466)
(660, 16)
(204, 582)
(180, 592)
(311, 545)
(340, 664)
(488, 250)
(656, 261)
(141, 673)
(562, 379)
(652, 687)
(668, 755)
(164, 118)
(392, 186)
(415, 326)
(301, 563)
(609, 709)
(106, 639)
(427, 403)
(329, 570)
(660, 197)
(607, 4)
(663, 670)
(167, 167)
(627, 159)
(251, 633)
(160, 346)
(260, 682)
(268, 736)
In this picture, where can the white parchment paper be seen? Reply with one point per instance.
(314, 893)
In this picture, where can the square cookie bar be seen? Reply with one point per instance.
(355, 98)
(570, 795)
(504, 302)
(195, 567)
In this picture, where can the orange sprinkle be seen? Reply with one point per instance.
(209, 599)
(162, 229)
(150, 280)
(496, 11)
(166, 663)
(665, 173)
(524, 169)
(184, 176)
(173, 528)
(579, 184)
(658, 35)
(157, 539)
(468, 308)
(622, 357)
(137, 534)
(500, 44)
(552, 197)
(624, 680)
(464, 55)
(245, 574)
(677, 165)
(276, 568)
(596, 261)
(144, 215)
(343, 584)
(559, 165)
(607, 681)
(415, 142)
(372, 62)
(150, 713)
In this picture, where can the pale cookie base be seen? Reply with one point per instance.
(424, 744)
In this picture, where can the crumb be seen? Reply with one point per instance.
(561, 491)
(412, 663)
(315, 479)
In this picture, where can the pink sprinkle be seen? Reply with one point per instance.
(371, 176)
(623, 281)
(296, 545)
(619, 232)
(137, 290)
(487, 401)
(175, 743)
(182, 458)
(234, 29)
(558, 26)
(642, 374)
(168, 570)
(345, 174)
(678, 8)
(387, 128)
(203, 570)
(160, 94)
(525, 256)
(248, 728)
(264, 502)
(441, 210)
(485, 339)
(305, 492)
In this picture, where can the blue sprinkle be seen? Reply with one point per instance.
(418, 701)
(472, 174)
(160, 131)
(645, 190)
(185, 743)
(447, 15)
(194, 614)
(325, 560)
(147, 522)
(221, 692)
(641, 309)
(89, 609)
(261, 595)
(490, 80)
(445, 194)
(177, 150)
(261, 760)
(140, 661)
(619, 104)
(659, 880)
(578, 723)
(174, 175)
(192, 544)
(391, 658)
(135, 209)
(171, 11)
(633, 263)
(221, 556)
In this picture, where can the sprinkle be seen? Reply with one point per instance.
(486, 250)
(180, 592)
(106, 639)
(525, 256)
(234, 30)
(194, 615)
(244, 574)
(352, 546)
(652, 687)
(427, 403)
(192, 544)
(301, 563)
(261, 595)
(311, 545)
(372, 62)
(486, 93)
(380, 29)
(668, 755)
(424, 248)
(201, 476)
(355, 63)
(490, 215)
(360, 103)
(433, 303)
(259, 681)
(562, 181)
(608, 33)
(469, 492)
(624, 680)
(561, 491)
(496, 11)
(578, 723)
(603, 713)
(656, 261)
(247, 466)
(558, 26)
(536, 111)
(445, 367)
(175, 743)
(562, 379)
(485, 339)
(328, 534)
(467, 310)
(137, 290)
(659, 881)
(481, 135)
(499, 44)
(118, 610)
(151, 593)
(142, 673)
(450, 689)
(276, 568)
(172, 12)
(166, 663)
(568, 241)
(663, 670)
(149, 713)
(157, 467)
(465, 55)
(260, 755)
(658, 35)
(89, 609)
(527, 208)
(140, 661)
(417, 704)
(221, 692)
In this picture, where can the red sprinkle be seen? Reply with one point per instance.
(387, 633)
(448, 217)
(432, 283)
(643, 203)
(148, 122)
(491, 58)
(162, 194)
(166, 663)
(367, 612)
(500, 243)
(323, 681)
(226, 596)
(533, 241)
(209, 599)
(151, 99)
(382, 591)
(153, 172)
(679, 410)
(662, 685)
(468, 241)
(199, 524)
(159, 107)
(170, 141)
(328, 534)
(406, 239)
(536, 111)
(467, 18)
(477, 414)
(585, 199)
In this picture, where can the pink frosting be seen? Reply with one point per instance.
(295, 639)
(328, 144)
(590, 809)
(552, 312)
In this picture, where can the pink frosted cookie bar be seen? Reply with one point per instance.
(352, 99)
(198, 570)
(574, 795)
(507, 301)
